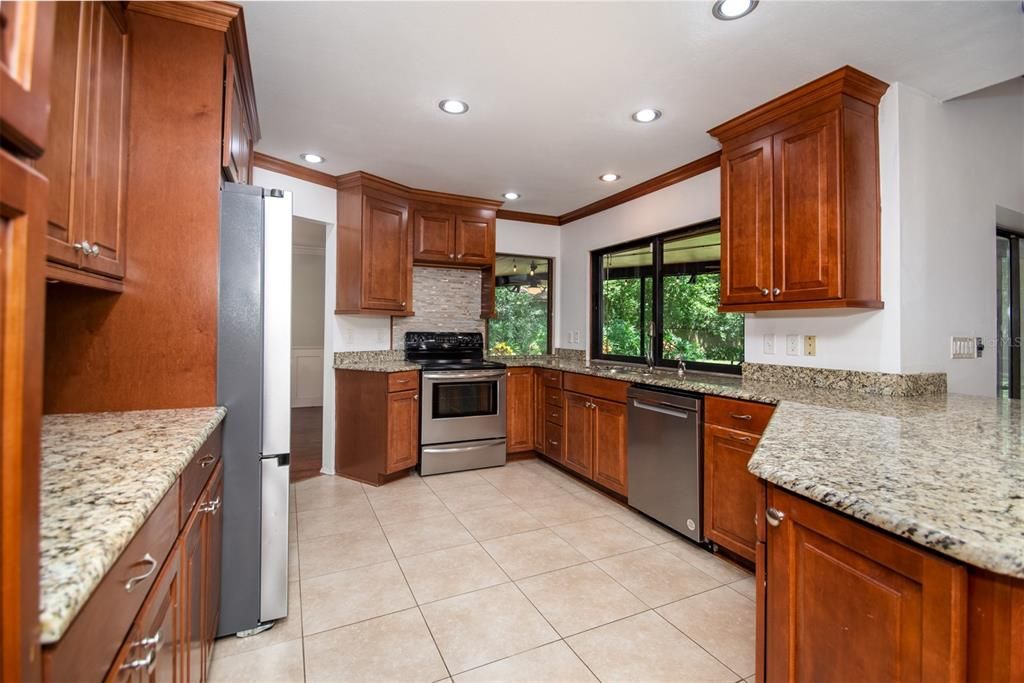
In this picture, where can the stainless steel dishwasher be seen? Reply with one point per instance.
(665, 457)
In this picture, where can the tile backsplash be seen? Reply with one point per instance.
(443, 300)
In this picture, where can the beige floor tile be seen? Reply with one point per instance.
(501, 520)
(552, 663)
(562, 509)
(656, 576)
(281, 662)
(579, 598)
(293, 527)
(745, 587)
(452, 571)
(396, 647)
(532, 552)
(293, 561)
(335, 553)
(482, 495)
(601, 537)
(399, 487)
(533, 493)
(424, 535)
(353, 595)
(724, 571)
(356, 516)
(646, 648)
(485, 626)
(326, 492)
(440, 482)
(650, 530)
(507, 477)
(720, 621)
(289, 628)
(396, 511)
(600, 501)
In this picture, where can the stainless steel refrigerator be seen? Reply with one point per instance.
(254, 384)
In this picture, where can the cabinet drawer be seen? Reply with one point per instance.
(92, 641)
(553, 440)
(553, 397)
(551, 378)
(197, 473)
(745, 416)
(597, 387)
(553, 413)
(402, 381)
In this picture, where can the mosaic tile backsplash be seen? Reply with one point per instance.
(444, 300)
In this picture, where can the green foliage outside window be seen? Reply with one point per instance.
(693, 327)
(521, 324)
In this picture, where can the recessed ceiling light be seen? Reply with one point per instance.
(727, 10)
(609, 177)
(453, 106)
(646, 115)
(511, 195)
(312, 158)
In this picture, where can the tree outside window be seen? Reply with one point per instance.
(522, 297)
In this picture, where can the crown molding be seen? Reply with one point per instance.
(843, 81)
(213, 15)
(364, 179)
(526, 217)
(269, 163)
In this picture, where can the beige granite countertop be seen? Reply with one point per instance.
(102, 476)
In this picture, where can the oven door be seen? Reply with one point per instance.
(462, 406)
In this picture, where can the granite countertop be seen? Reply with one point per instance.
(945, 471)
(102, 476)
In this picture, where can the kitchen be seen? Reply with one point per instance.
(687, 376)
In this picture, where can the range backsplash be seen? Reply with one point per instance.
(443, 300)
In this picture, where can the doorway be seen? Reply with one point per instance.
(307, 399)
(1009, 296)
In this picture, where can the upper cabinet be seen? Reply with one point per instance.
(87, 157)
(241, 126)
(800, 205)
(26, 35)
(385, 228)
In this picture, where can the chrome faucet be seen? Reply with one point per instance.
(682, 369)
(650, 347)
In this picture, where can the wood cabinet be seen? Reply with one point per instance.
(519, 409)
(578, 452)
(732, 495)
(237, 136)
(453, 237)
(800, 199)
(610, 452)
(842, 597)
(377, 422)
(87, 158)
(154, 615)
(26, 39)
(433, 235)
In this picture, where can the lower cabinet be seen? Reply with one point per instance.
(403, 421)
(731, 493)
(595, 440)
(842, 597)
(519, 409)
(578, 452)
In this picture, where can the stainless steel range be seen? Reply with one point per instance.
(462, 414)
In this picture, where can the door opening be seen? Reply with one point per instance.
(1009, 296)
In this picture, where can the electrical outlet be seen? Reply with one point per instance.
(963, 347)
(810, 345)
(792, 344)
(769, 344)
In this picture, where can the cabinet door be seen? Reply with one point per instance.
(842, 597)
(578, 433)
(747, 223)
(433, 236)
(236, 137)
(26, 40)
(69, 75)
(538, 412)
(731, 493)
(387, 271)
(213, 529)
(403, 430)
(519, 407)
(610, 462)
(106, 147)
(153, 651)
(474, 240)
(192, 596)
(806, 239)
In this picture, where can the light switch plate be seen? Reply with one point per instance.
(769, 344)
(792, 344)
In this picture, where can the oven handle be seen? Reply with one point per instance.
(472, 374)
(461, 449)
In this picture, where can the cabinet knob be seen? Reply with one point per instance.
(776, 291)
(451, 255)
(403, 304)
(459, 256)
(774, 516)
(95, 250)
(416, 397)
(764, 292)
(84, 247)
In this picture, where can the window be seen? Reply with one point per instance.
(658, 298)
(522, 303)
(1009, 298)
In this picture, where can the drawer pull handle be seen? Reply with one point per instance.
(143, 663)
(737, 416)
(774, 516)
(207, 460)
(554, 414)
(132, 582)
(152, 641)
(742, 438)
(553, 443)
(211, 506)
(402, 381)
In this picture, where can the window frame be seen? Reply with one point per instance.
(657, 293)
(550, 303)
(1014, 333)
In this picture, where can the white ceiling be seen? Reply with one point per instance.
(551, 86)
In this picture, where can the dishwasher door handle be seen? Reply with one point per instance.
(665, 408)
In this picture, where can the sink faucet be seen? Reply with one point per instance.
(650, 347)
(682, 369)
